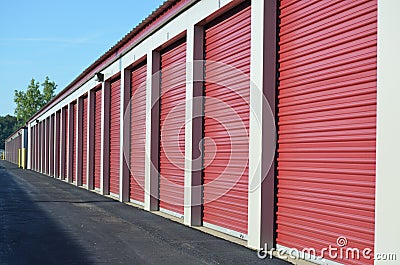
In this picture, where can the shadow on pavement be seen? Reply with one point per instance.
(47, 221)
(27, 234)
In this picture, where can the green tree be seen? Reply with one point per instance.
(48, 90)
(8, 124)
(32, 100)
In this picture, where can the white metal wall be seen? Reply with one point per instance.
(387, 233)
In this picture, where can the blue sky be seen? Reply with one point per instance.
(59, 39)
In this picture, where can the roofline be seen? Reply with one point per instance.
(15, 132)
(164, 13)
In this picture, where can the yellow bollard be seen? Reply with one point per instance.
(23, 158)
(19, 157)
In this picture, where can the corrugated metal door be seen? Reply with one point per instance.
(327, 124)
(8, 146)
(43, 143)
(48, 146)
(10, 151)
(97, 138)
(14, 150)
(73, 139)
(58, 144)
(51, 146)
(84, 139)
(65, 144)
(37, 155)
(138, 132)
(226, 122)
(172, 127)
(115, 136)
(36, 148)
(33, 148)
(43, 147)
(32, 151)
(6, 150)
(19, 147)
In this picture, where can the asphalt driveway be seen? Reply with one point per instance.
(47, 221)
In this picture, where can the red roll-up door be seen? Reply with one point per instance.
(73, 139)
(65, 144)
(51, 146)
(37, 147)
(17, 147)
(15, 150)
(44, 151)
(41, 144)
(43, 147)
(39, 140)
(84, 139)
(138, 132)
(172, 127)
(58, 145)
(33, 148)
(115, 111)
(8, 152)
(97, 138)
(48, 146)
(20, 147)
(32, 151)
(11, 152)
(226, 122)
(327, 125)
(36, 153)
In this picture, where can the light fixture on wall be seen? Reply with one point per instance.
(99, 77)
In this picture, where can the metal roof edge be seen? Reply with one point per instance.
(15, 132)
